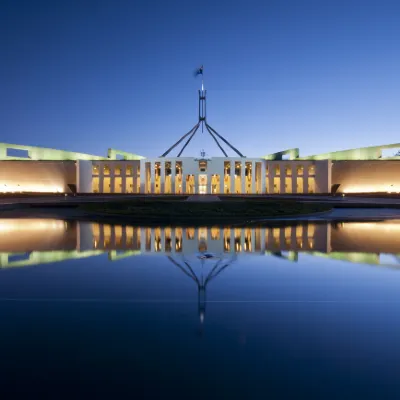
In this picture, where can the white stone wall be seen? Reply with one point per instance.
(84, 176)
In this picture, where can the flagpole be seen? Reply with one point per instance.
(202, 95)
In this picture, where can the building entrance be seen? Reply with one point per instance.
(202, 184)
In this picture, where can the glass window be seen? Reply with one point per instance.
(203, 166)
(117, 170)
(311, 185)
(215, 233)
(106, 169)
(129, 170)
(288, 170)
(190, 233)
(95, 170)
(277, 170)
(300, 170)
(311, 170)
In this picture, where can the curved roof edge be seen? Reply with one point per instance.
(33, 153)
(362, 153)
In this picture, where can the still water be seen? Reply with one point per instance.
(90, 310)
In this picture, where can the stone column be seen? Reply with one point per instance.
(263, 177)
(142, 176)
(305, 179)
(253, 177)
(283, 176)
(123, 183)
(173, 237)
(263, 237)
(222, 181)
(243, 176)
(142, 233)
(152, 176)
(232, 183)
(123, 237)
(135, 180)
(112, 182)
(162, 166)
(152, 240)
(101, 183)
(162, 239)
(294, 179)
(173, 170)
(209, 187)
(232, 244)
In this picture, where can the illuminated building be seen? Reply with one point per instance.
(35, 169)
(25, 242)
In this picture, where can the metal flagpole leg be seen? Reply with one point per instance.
(225, 141)
(216, 141)
(179, 141)
(190, 138)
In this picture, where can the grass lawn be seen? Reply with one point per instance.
(182, 211)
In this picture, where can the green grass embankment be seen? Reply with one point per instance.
(172, 211)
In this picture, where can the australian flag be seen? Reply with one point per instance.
(199, 71)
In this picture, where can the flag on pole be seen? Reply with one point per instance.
(199, 71)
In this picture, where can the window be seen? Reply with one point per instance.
(277, 185)
(203, 166)
(95, 169)
(190, 233)
(288, 185)
(277, 170)
(311, 170)
(129, 170)
(299, 185)
(300, 170)
(117, 170)
(95, 185)
(215, 233)
(288, 170)
(311, 185)
(106, 169)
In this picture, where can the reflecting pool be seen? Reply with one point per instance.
(100, 310)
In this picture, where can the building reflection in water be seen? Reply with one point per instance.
(35, 241)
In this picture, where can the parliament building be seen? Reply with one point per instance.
(27, 169)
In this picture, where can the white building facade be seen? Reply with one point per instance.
(216, 175)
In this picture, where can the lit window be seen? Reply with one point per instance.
(300, 170)
(277, 170)
(129, 170)
(106, 170)
(203, 166)
(95, 170)
(117, 170)
(288, 170)
(311, 170)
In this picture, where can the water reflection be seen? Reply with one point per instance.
(37, 241)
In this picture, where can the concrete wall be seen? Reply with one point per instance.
(23, 235)
(366, 176)
(37, 176)
(84, 176)
(366, 237)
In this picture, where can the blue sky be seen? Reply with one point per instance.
(87, 75)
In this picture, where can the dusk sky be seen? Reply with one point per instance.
(84, 76)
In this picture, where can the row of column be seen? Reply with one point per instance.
(235, 240)
(257, 169)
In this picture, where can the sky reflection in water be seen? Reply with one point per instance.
(240, 313)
